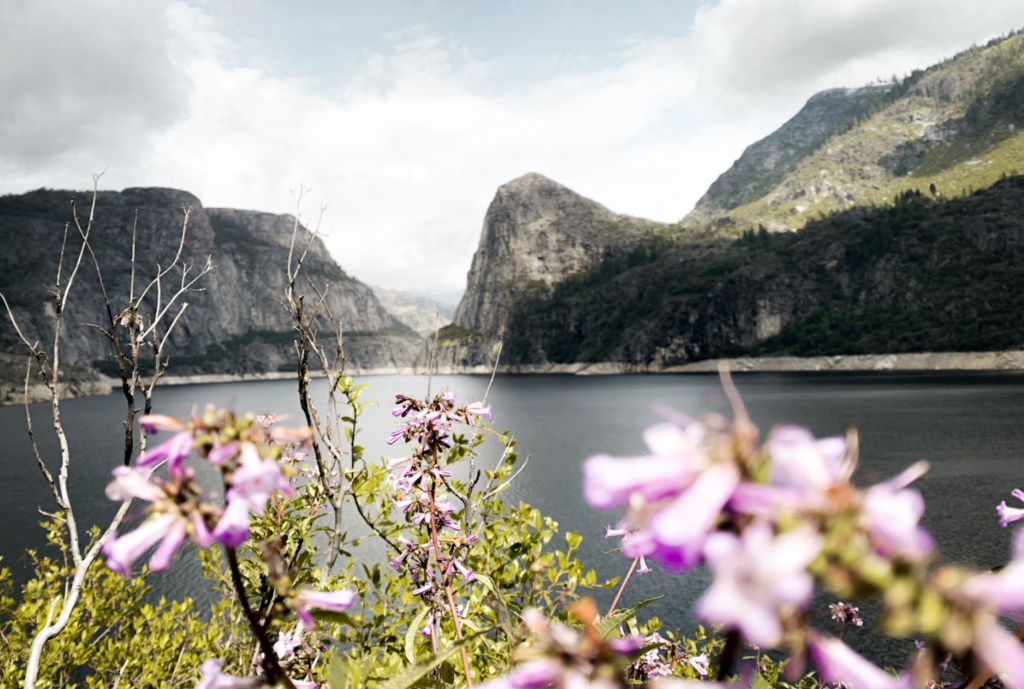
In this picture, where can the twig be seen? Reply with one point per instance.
(622, 587)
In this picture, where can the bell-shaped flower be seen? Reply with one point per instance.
(256, 479)
(152, 423)
(232, 529)
(891, 512)
(132, 483)
(213, 678)
(331, 601)
(174, 450)
(169, 529)
(839, 665)
(675, 461)
(477, 410)
(680, 530)
(757, 576)
(1010, 514)
(801, 461)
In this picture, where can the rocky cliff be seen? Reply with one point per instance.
(537, 233)
(922, 275)
(767, 163)
(235, 324)
(958, 125)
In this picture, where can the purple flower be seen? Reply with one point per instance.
(213, 678)
(332, 601)
(700, 664)
(534, 674)
(151, 423)
(1000, 650)
(256, 479)
(168, 527)
(679, 530)
(130, 483)
(756, 575)
(287, 642)
(233, 528)
(890, 514)
(477, 409)
(844, 612)
(174, 450)
(838, 663)
(799, 460)
(676, 459)
(1010, 514)
(222, 453)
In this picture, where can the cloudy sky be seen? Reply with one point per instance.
(404, 116)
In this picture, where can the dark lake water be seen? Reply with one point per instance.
(970, 427)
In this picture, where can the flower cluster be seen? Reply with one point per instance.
(418, 484)
(255, 462)
(177, 506)
(771, 520)
(562, 657)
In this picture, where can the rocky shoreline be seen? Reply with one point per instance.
(928, 361)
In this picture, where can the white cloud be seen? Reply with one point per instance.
(408, 152)
(83, 81)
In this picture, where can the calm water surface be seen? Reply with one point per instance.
(970, 427)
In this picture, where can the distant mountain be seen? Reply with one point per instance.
(420, 313)
(537, 233)
(908, 204)
(958, 125)
(236, 324)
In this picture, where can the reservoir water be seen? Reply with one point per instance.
(969, 426)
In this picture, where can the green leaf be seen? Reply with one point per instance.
(410, 634)
(504, 619)
(333, 617)
(337, 673)
(608, 625)
(756, 682)
(409, 676)
(447, 672)
(427, 683)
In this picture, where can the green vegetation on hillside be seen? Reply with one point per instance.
(925, 274)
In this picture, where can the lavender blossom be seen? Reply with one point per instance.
(331, 601)
(891, 513)
(174, 450)
(838, 663)
(844, 612)
(213, 678)
(1010, 514)
(256, 479)
(169, 529)
(757, 575)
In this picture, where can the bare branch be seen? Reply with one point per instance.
(32, 441)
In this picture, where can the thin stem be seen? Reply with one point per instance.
(622, 587)
(729, 655)
(270, 664)
(444, 579)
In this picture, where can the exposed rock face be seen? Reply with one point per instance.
(766, 163)
(537, 233)
(236, 324)
(956, 125)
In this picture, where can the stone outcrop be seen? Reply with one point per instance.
(537, 233)
(235, 325)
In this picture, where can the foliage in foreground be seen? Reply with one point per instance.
(453, 587)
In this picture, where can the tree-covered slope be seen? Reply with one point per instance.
(958, 125)
(923, 274)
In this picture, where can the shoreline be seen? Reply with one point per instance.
(1011, 360)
